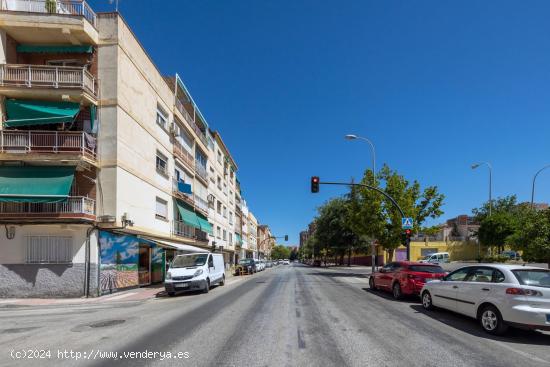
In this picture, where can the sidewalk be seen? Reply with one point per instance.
(131, 295)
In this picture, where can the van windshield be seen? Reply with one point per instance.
(185, 261)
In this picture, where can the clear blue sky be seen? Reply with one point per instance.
(436, 85)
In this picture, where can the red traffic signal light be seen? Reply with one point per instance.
(408, 232)
(314, 184)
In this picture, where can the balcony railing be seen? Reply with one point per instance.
(190, 122)
(67, 7)
(201, 171)
(201, 236)
(201, 204)
(75, 206)
(54, 142)
(181, 229)
(183, 154)
(45, 76)
(188, 198)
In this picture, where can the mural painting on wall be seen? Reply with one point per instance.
(157, 264)
(119, 261)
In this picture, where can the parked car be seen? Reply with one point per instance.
(286, 262)
(512, 255)
(196, 271)
(404, 277)
(260, 265)
(269, 264)
(497, 295)
(245, 266)
(437, 258)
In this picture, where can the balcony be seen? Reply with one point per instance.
(188, 198)
(201, 205)
(201, 172)
(201, 236)
(34, 145)
(76, 207)
(181, 229)
(189, 119)
(186, 157)
(38, 81)
(43, 21)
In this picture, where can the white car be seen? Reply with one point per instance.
(437, 258)
(497, 296)
(260, 265)
(197, 271)
(286, 262)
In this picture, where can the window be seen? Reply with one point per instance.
(225, 212)
(230, 238)
(219, 157)
(483, 275)
(161, 210)
(230, 217)
(162, 117)
(533, 277)
(219, 207)
(218, 231)
(224, 235)
(162, 164)
(219, 183)
(458, 275)
(49, 250)
(186, 140)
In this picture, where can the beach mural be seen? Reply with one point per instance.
(119, 259)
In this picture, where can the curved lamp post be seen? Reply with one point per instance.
(476, 165)
(533, 188)
(355, 137)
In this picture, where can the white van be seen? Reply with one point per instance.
(437, 258)
(197, 271)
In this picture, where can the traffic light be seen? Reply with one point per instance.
(286, 237)
(314, 184)
(406, 237)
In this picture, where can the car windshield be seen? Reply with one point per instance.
(427, 269)
(245, 261)
(186, 261)
(533, 277)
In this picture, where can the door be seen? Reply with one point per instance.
(144, 265)
(444, 293)
(477, 286)
(385, 277)
(211, 269)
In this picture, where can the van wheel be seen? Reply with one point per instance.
(206, 286)
(491, 321)
(171, 294)
(222, 282)
(397, 291)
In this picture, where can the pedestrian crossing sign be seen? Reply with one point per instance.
(406, 223)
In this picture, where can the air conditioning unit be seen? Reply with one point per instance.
(175, 129)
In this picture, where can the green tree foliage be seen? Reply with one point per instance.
(280, 252)
(532, 235)
(415, 202)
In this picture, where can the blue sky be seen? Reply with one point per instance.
(436, 85)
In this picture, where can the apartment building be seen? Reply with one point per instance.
(253, 234)
(222, 172)
(238, 228)
(266, 242)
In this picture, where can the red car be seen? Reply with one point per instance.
(405, 277)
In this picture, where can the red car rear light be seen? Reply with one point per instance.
(523, 292)
(416, 278)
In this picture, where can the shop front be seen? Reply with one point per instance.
(128, 261)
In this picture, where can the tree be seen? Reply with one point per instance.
(416, 203)
(280, 252)
(532, 235)
(501, 204)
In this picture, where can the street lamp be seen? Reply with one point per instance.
(533, 188)
(355, 137)
(476, 165)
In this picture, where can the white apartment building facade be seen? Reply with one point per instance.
(118, 170)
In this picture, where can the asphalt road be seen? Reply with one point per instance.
(286, 316)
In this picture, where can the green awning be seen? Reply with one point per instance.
(24, 113)
(55, 49)
(188, 216)
(32, 184)
(205, 225)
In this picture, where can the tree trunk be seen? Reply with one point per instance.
(349, 257)
(390, 255)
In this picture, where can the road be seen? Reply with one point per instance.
(287, 316)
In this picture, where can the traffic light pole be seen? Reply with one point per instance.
(390, 199)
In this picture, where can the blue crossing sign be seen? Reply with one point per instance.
(406, 223)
